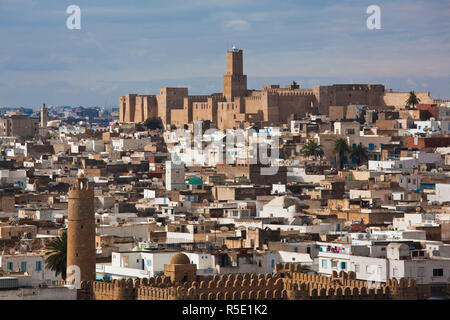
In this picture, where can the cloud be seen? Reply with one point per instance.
(135, 47)
(237, 25)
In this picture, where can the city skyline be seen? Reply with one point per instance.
(139, 48)
(252, 152)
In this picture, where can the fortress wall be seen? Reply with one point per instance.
(288, 282)
(295, 105)
(203, 111)
(344, 286)
(398, 99)
(253, 105)
(178, 117)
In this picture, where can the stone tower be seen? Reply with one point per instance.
(180, 269)
(81, 230)
(234, 82)
(44, 116)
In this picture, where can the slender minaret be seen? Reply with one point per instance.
(44, 116)
(81, 232)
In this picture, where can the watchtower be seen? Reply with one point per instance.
(234, 82)
(81, 230)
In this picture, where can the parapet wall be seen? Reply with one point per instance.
(344, 286)
(287, 283)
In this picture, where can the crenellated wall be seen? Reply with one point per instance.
(287, 283)
(302, 286)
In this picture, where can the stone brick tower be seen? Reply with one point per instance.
(81, 230)
(234, 82)
(44, 116)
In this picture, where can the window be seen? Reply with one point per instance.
(137, 260)
(334, 264)
(356, 267)
(149, 262)
(38, 265)
(438, 272)
(10, 266)
(324, 263)
(23, 266)
(344, 265)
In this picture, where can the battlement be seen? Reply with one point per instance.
(287, 283)
(294, 93)
(228, 287)
(254, 98)
(199, 98)
(343, 285)
(81, 184)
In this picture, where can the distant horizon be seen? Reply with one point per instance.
(140, 47)
(186, 83)
(259, 80)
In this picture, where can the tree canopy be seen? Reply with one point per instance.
(312, 149)
(412, 100)
(153, 123)
(57, 258)
(341, 149)
(359, 153)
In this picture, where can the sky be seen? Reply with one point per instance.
(138, 46)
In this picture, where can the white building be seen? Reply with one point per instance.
(95, 145)
(284, 207)
(129, 144)
(441, 194)
(33, 264)
(175, 176)
(402, 261)
(144, 264)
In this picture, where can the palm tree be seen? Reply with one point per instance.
(57, 258)
(341, 149)
(312, 149)
(412, 99)
(359, 153)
